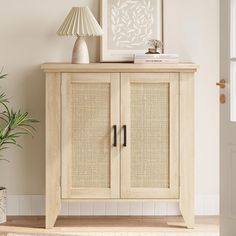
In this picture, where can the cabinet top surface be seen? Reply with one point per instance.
(119, 67)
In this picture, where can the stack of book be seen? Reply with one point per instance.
(156, 58)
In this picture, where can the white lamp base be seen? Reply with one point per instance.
(80, 52)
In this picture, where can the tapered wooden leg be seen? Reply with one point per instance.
(187, 148)
(53, 147)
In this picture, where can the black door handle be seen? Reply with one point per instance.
(115, 135)
(125, 136)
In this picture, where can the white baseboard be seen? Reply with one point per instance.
(35, 205)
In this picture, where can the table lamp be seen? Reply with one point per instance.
(80, 22)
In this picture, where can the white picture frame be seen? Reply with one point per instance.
(127, 26)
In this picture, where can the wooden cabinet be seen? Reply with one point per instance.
(119, 131)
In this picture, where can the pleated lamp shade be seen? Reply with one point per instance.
(80, 22)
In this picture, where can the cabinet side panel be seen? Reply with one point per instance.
(187, 148)
(53, 122)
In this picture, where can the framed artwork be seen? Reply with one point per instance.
(128, 25)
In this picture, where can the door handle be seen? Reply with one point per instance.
(125, 135)
(115, 136)
(221, 84)
(222, 99)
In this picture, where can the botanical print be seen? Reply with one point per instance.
(131, 23)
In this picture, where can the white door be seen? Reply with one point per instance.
(228, 118)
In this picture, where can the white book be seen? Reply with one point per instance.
(156, 61)
(156, 56)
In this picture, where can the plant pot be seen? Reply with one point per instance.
(3, 205)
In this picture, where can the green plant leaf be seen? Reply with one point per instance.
(14, 124)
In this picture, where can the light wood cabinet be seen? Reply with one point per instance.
(119, 131)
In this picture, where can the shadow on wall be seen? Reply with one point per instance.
(26, 89)
(34, 85)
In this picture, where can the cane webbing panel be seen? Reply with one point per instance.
(90, 135)
(150, 135)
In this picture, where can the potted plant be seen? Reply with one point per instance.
(13, 125)
(155, 46)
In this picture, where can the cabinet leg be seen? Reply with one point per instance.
(51, 215)
(187, 148)
(53, 148)
(188, 215)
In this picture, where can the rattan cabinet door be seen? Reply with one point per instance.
(150, 135)
(90, 148)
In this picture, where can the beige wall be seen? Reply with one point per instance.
(28, 38)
